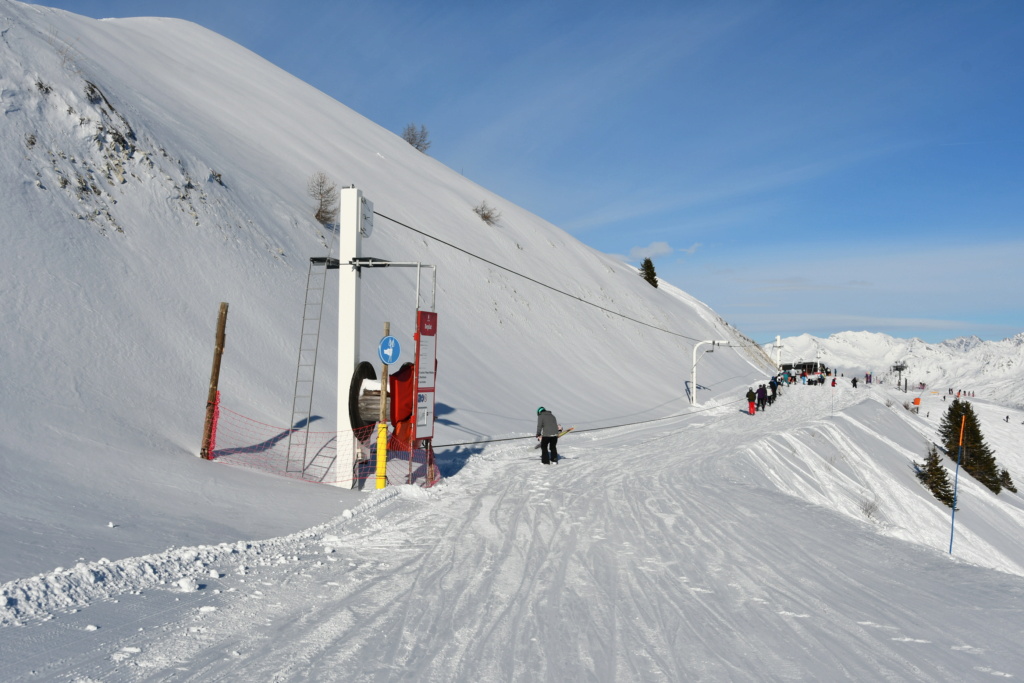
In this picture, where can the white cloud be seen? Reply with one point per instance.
(650, 251)
(907, 290)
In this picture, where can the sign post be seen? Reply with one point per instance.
(388, 351)
(426, 365)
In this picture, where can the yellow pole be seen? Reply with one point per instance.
(382, 454)
(382, 423)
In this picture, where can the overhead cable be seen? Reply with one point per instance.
(547, 286)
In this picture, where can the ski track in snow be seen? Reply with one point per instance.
(681, 567)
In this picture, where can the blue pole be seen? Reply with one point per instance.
(956, 480)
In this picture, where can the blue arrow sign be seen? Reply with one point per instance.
(389, 350)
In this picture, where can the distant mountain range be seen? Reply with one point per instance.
(994, 370)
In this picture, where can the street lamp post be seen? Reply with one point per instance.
(693, 370)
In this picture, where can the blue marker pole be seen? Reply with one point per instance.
(956, 479)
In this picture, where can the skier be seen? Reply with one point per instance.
(854, 381)
(547, 433)
(762, 397)
(751, 399)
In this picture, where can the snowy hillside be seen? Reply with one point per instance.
(152, 169)
(993, 370)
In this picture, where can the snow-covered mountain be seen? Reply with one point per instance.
(151, 169)
(993, 370)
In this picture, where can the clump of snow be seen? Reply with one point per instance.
(410, 491)
(188, 584)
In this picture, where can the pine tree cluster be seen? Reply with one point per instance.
(977, 458)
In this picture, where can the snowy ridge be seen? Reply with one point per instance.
(859, 462)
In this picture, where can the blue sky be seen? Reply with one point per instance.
(800, 166)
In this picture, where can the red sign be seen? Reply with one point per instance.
(401, 387)
(426, 370)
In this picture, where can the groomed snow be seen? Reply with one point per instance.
(714, 546)
(672, 543)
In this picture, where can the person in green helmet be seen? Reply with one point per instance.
(547, 432)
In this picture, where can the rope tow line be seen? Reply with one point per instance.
(593, 429)
(579, 299)
(547, 286)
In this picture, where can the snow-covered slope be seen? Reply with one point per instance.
(791, 545)
(152, 169)
(991, 369)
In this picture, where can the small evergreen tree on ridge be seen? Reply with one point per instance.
(647, 272)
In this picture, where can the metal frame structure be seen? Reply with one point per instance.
(693, 370)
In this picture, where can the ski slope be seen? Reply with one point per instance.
(671, 544)
(117, 257)
(670, 551)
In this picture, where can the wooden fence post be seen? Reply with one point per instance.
(211, 399)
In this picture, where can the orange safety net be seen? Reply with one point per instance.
(345, 458)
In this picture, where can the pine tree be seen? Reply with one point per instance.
(934, 476)
(1006, 481)
(647, 272)
(978, 460)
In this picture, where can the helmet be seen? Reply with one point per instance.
(540, 410)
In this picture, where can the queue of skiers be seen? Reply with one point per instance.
(763, 396)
